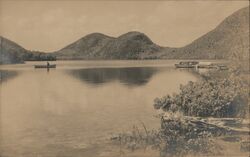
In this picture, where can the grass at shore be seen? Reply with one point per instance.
(189, 136)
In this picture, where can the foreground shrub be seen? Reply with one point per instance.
(223, 97)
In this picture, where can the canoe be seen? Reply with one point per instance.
(45, 66)
(213, 66)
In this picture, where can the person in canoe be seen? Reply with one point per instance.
(48, 65)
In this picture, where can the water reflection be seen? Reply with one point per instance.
(53, 114)
(131, 76)
(6, 74)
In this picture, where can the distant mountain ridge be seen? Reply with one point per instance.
(230, 39)
(11, 52)
(99, 46)
(223, 42)
(230, 36)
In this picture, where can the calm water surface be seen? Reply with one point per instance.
(73, 109)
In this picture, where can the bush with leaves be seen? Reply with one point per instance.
(218, 97)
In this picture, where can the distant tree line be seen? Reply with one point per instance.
(38, 56)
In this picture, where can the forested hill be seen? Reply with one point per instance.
(132, 45)
(11, 52)
(230, 39)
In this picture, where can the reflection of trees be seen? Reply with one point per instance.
(6, 74)
(128, 76)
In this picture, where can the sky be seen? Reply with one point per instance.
(49, 25)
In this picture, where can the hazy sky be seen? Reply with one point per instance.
(50, 25)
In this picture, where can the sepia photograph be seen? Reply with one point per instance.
(124, 78)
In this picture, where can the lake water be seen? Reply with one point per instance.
(73, 109)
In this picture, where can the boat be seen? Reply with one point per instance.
(213, 66)
(187, 64)
(207, 66)
(45, 66)
(222, 67)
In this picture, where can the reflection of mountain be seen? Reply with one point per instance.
(130, 76)
(5, 75)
